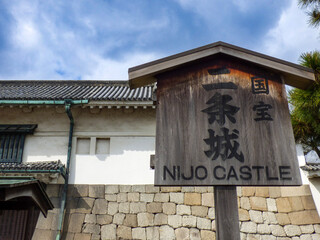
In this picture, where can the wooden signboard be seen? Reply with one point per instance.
(224, 121)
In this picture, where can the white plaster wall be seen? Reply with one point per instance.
(127, 163)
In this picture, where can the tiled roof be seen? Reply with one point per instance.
(311, 167)
(40, 167)
(60, 90)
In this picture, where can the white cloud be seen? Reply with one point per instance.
(292, 35)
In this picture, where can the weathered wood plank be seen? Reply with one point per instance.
(227, 216)
(218, 129)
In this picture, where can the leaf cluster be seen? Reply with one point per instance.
(313, 7)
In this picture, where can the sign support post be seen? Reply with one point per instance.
(226, 209)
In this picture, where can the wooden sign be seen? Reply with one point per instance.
(224, 121)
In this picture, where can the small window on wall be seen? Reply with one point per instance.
(12, 139)
(93, 146)
(103, 146)
(83, 146)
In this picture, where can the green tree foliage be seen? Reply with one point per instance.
(313, 7)
(305, 116)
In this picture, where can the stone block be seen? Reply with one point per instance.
(207, 235)
(177, 197)
(113, 208)
(166, 233)
(91, 228)
(111, 197)
(274, 192)
(90, 218)
(45, 222)
(211, 213)
(175, 221)
(130, 220)
(160, 219)
(96, 191)
(154, 207)
(195, 234)
(258, 203)
(139, 233)
(82, 236)
(161, 197)
(125, 188)
(104, 219)
(303, 190)
(53, 190)
(152, 189)
(207, 199)
(170, 189)
(192, 199)
(256, 216)
(245, 203)
(292, 230)
(122, 197)
(248, 191)
(145, 219)
(306, 237)
(124, 207)
(307, 229)
(248, 227)
(283, 218)
(201, 189)
(315, 236)
(124, 232)
(169, 208)
(263, 229)
(187, 189)
(109, 232)
(42, 234)
(95, 237)
(199, 211)
(111, 189)
(75, 223)
(214, 225)
(269, 218)
(133, 197)
(308, 202)
(304, 217)
(239, 191)
(183, 210)
(55, 221)
(68, 236)
(100, 206)
(118, 218)
(138, 207)
(316, 228)
(182, 233)
(243, 215)
(146, 197)
(139, 188)
(189, 221)
(271, 205)
(283, 205)
(262, 192)
(153, 233)
(84, 205)
(203, 223)
(277, 231)
(296, 203)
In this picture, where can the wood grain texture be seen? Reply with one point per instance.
(227, 216)
(268, 147)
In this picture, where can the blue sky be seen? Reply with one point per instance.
(101, 39)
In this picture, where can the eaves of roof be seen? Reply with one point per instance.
(294, 75)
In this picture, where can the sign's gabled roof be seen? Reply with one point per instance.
(295, 75)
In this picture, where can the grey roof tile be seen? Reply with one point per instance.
(35, 166)
(59, 90)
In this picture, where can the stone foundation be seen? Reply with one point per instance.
(97, 212)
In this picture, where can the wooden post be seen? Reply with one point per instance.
(227, 217)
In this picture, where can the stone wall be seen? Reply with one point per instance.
(97, 212)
